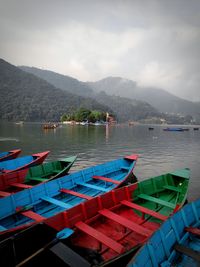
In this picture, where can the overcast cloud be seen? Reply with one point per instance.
(153, 42)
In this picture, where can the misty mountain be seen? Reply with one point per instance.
(66, 83)
(123, 108)
(158, 98)
(27, 97)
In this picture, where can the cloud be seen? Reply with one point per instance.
(156, 43)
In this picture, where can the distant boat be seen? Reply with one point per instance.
(16, 181)
(50, 126)
(27, 207)
(173, 129)
(12, 154)
(20, 163)
(103, 230)
(19, 122)
(196, 128)
(151, 128)
(176, 243)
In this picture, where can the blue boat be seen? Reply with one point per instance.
(176, 243)
(21, 163)
(33, 205)
(12, 154)
(174, 129)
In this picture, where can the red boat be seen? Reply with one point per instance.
(104, 230)
(12, 154)
(21, 163)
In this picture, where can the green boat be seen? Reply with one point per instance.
(23, 179)
(106, 230)
(50, 170)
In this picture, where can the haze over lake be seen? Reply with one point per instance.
(159, 151)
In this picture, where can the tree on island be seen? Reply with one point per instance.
(84, 114)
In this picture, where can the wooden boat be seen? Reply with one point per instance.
(24, 208)
(12, 154)
(176, 243)
(21, 163)
(105, 230)
(16, 181)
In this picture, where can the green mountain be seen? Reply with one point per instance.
(23, 96)
(124, 108)
(158, 98)
(61, 81)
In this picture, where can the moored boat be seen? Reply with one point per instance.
(35, 204)
(12, 154)
(20, 163)
(16, 181)
(173, 129)
(176, 243)
(107, 229)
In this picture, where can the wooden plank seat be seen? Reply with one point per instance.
(193, 230)
(106, 179)
(33, 215)
(23, 186)
(74, 193)
(38, 179)
(173, 188)
(125, 222)
(56, 202)
(4, 194)
(188, 252)
(109, 242)
(144, 210)
(99, 188)
(157, 200)
(68, 256)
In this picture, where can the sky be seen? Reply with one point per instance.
(153, 42)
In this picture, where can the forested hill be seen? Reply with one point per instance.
(23, 96)
(124, 108)
(64, 82)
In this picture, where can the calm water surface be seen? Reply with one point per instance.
(158, 151)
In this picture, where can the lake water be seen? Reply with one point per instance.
(159, 151)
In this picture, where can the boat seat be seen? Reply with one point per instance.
(99, 188)
(19, 185)
(157, 200)
(106, 179)
(125, 222)
(193, 230)
(109, 242)
(33, 215)
(4, 194)
(188, 252)
(68, 256)
(74, 193)
(173, 188)
(144, 210)
(56, 202)
(38, 179)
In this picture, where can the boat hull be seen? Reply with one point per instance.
(109, 228)
(9, 155)
(47, 199)
(26, 178)
(176, 243)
